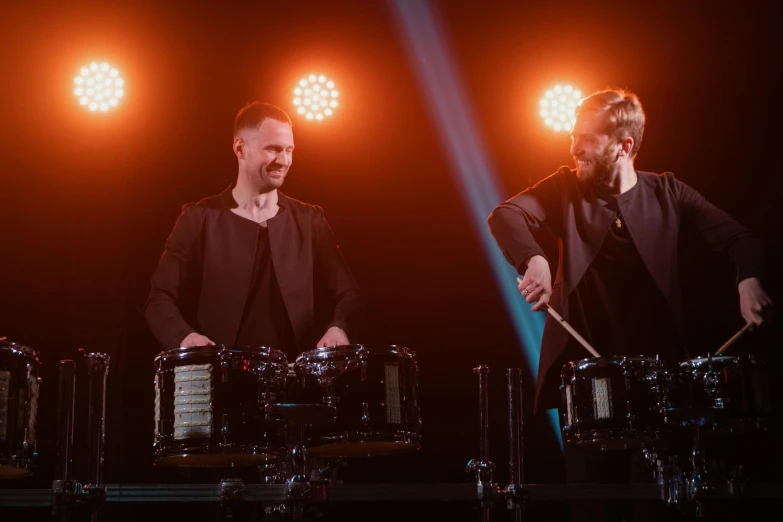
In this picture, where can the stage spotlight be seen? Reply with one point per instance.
(557, 107)
(99, 87)
(315, 97)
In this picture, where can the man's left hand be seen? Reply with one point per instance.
(334, 336)
(755, 304)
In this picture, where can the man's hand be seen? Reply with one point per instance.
(755, 304)
(537, 283)
(196, 339)
(334, 336)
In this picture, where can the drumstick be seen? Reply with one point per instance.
(733, 339)
(3, 338)
(569, 329)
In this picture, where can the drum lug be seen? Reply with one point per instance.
(365, 413)
(224, 369)
(224, 430)
(363, 369)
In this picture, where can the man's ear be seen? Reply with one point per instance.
(239, 148)
(626, 146)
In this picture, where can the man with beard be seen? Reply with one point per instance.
(252, 266)
(617, 230)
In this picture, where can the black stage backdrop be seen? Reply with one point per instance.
(87, 200)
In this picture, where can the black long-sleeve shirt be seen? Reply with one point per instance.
(653, 211)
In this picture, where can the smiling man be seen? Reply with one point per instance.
(617, 230)
(251, 266)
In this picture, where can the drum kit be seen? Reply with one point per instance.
(693, 421)
(225, 408)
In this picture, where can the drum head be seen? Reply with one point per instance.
(353, 350)
(220, 350)
(699, 362)
(8, 348)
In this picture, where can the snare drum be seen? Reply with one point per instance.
(209, 406)
(19, 385)
(723, 388)
(373, 388)
(613, 402)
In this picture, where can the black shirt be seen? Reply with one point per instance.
(617, 308)
(265, 320)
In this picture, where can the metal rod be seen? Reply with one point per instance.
(97, 369)
(483, 372)
(515, 440)
(65, 414)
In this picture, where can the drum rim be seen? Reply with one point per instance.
(219, 350)
(332, 352)
(611, 359)
(15, 348)
(702, 359)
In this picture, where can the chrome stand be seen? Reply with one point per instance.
(515, 492)
(486, 487)
(97, 369)
(64, 489)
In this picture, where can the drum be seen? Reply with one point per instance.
(373, 388)
(613, 402)
(19, 385)
(209, 406)
(722, 391)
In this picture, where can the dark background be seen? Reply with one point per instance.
(87, 200)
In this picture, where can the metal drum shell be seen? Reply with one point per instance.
(235, 429)
(374, 389)
(19, 388)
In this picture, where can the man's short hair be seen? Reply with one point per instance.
(622, 113)
(253, 114)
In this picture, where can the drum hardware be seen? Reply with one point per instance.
(374, 391)
(19, 391)
(209, 406)
(515, 492)
(486, 487)
(299, 488)
(613, 402)
(232, 493)
(95, 491)
(64, 489)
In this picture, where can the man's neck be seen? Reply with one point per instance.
(621, 180)
(254, 202)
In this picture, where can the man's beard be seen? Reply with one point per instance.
(602, 169)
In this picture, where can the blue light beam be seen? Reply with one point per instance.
(450, 111)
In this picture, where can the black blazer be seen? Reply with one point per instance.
(203, 277)
(652, 210)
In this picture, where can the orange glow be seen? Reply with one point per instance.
(98, 87)
(315, 97)
(557, 107)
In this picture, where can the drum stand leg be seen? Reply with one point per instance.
(299, 489)
(97, 369)
(515, 492)
(486, 488)
(64, 489)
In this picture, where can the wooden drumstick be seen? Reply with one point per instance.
(569, 329)
(733, 339)
(3, 338)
